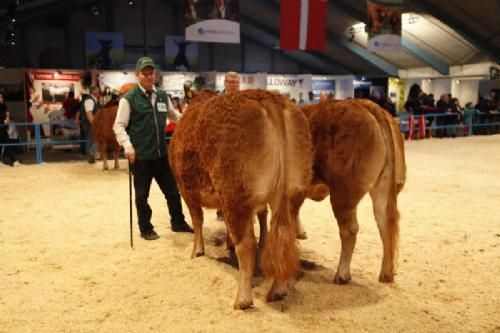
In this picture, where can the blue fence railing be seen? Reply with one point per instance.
(36, 140)
(446, 124)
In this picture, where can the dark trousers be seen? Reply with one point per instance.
(7, 152)
(144, 172)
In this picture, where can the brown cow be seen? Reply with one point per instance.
(358, 149)
(102, 129)
(239, 152)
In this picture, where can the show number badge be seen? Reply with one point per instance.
(162, 107)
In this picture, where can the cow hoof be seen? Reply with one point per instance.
(386, 278)
(198, 254)
(340, 280)
(302, 235)
(274, 296)
(243, 305)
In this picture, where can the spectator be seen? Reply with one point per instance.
(469, 113)
(176, 104)
(70, 106)
(8, 156)
(139, 128)
(443, 109)
(414, 101)
(88, 108)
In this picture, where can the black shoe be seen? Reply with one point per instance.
(150, 235)
(90, 159)
(182, 228)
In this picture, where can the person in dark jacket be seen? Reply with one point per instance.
(7, 151)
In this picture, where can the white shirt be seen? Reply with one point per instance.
(89, 104)
(123, 117)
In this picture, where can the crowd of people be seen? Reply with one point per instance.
(448, 114)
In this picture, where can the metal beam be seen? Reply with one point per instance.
(426, 57)
(459, 26)
(416, 51)
(264, 45)
(375, 60)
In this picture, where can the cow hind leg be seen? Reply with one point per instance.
(262, 217)
(246, 248)
(345, 213)
(295, 205)
(196, 213)
(387, 218)
(103, 150)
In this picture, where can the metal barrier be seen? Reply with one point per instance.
(478, 123)
(38, 142)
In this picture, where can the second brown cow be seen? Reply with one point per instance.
(358, 149)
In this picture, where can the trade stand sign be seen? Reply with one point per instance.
(296, 87)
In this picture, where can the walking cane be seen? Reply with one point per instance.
(130, 201)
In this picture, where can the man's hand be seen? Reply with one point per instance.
(130, 154)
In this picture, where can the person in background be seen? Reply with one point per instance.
(176, 105)
(85, 117)
(231, 82)
(469, 113)
(70, 106)
(139, 128)
(7, 151)
(442, 107)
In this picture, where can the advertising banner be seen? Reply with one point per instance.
(384, 25)
(212, 21)
(110, 82)
(247, 81)
(46, 92)
(296, 87)
(173, 83)
(104, 50)
(322, 86)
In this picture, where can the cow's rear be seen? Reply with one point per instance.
(358, 150)
(240, 152)
(104, 136)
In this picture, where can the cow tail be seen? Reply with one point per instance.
(392, 213)
(280, 258)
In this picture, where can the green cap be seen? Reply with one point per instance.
(144, 62)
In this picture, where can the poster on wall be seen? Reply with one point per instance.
(296, 87)
(322, 86)
(180, 55)
(110, 82)
(247, 81)
(46, 91)
(104, 50)
(173, 83)
(212, 21)
(384, 25)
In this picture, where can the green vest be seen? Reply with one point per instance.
(83, 115)
(146, 127)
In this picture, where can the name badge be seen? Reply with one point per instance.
(162, 107)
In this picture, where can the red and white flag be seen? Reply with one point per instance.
(303, 24)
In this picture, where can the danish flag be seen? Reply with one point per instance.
(303, 24)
